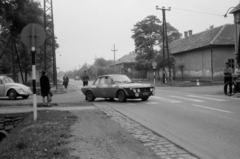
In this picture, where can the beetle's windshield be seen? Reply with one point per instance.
(8, 80)
(120, 78)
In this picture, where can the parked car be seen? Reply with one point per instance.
(117, 86)
(77, 78)
(11, 89)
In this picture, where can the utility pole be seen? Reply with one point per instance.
(49, 47)
(165, 38)
(96, 65)
(114, 50)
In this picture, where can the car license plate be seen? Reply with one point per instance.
(145, 93)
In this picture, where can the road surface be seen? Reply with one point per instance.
(196, 118)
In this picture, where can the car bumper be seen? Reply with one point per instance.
(131, 94)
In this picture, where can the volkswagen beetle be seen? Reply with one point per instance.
(117, 86)
(11, 89)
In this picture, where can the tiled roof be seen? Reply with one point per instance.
(223, 35)
(237, 8)
(127, 58)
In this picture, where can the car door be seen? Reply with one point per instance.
(2, 88)
(99, 87)
(109, 89)
(94, 87)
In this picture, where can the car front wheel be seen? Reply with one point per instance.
(144, 98)
(90, 96)
(122, 96)
(12, 94)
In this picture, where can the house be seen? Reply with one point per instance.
(203, 55)
(126, 65)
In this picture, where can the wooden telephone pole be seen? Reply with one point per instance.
(114, 50)
(165, 42)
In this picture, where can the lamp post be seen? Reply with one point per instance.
(236, 15)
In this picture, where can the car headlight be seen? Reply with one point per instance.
(151, 89)
(134, 90)
(138, 90)
(21, 90)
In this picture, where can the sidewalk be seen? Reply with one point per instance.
(71, 98)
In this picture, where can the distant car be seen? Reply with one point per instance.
(117, 86)
(11, 89)
(77, 78)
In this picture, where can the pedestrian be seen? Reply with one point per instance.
(227, 71)
(45, 88)
(85, 78)
(65, 81)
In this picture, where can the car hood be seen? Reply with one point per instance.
(16, 85)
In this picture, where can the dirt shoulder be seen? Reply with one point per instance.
(96, 136)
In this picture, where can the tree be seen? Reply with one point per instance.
(147, 35)
(14, 16)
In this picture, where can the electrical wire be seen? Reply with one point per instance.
(197, 12)
(202, 6)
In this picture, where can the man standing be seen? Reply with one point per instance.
(85, 78)
(227, 77)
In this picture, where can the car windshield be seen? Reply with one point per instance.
(8, 80)
(120, 78)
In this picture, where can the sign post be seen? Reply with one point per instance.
(33, 35)
(154, 64)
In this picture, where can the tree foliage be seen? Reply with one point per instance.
(14, 16)
(147, 35)
(99, 67)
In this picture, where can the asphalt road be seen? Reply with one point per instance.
(200, 119)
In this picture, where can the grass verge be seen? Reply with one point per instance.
(44, 138)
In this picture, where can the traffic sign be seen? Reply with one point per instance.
(33, 30)
(154, 64)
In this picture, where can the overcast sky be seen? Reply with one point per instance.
(86, 29)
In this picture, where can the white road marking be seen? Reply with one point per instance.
(166, 99)
(191, 99)
(211, 108)
(214, 99)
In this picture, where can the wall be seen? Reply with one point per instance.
(199, 64)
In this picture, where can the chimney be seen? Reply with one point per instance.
(190, 32)
(185, 34)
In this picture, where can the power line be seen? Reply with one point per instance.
(197, 12)
(202, 6)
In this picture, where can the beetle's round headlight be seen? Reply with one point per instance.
(134, 90)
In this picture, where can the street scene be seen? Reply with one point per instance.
(88, 80)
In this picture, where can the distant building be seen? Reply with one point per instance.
(126, 65)
(204, 54)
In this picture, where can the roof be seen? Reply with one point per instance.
(222, 35)
(129, 58)
(237, 8)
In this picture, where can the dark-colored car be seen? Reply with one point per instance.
(117, 86)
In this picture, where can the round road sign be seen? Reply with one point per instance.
(33, 31)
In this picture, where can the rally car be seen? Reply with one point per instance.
(117, 86)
